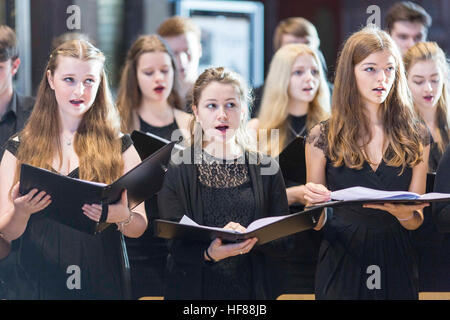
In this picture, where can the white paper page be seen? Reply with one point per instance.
(188, 221)
(362, 193)
(263, 222)
(434, 195)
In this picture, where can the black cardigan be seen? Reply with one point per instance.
(180, 195)
(441, 210)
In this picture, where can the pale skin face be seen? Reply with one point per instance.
(309, 41)
(155, 76)
(188, 51)
(425, 81)
(304, 81)
(75, 83)
(375, 76)
(219, 113)
(406, 34)
(8, 69)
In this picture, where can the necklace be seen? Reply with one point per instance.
(297, 134)
(69, 140)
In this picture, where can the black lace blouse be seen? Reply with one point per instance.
(227, 196)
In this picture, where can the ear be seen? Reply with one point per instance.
(50, 79)
(15, 66)
(195, 111)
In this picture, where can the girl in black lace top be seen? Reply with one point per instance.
(218, 181)
(72, 131)
(372, 140)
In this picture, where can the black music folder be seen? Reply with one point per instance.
(292, 161)
(265, 229)
(361, 195)
(69, 194)
(147, 143)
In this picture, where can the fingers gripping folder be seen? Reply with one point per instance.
(69, 195)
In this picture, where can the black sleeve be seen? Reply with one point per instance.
(126, 142)
(441, 210)
(171, 207)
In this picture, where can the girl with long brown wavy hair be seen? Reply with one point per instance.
(148, 98)
(73, 130)
(372, 139)
(148, 101)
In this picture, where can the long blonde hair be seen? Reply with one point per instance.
(430, 51)
(348, 122)
(274, 112)
(129, 94)
(96, 142)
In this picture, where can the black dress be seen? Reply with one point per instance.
(429, 242)
(365, 253)
(215, 194)
(295, 273)
(226, 196)
(51, 255)
(441, 219)
(147, 254)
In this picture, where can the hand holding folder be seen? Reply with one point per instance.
(69, 194)
(265, 229)
(362, 195)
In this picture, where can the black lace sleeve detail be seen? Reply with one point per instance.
(12, 145)
(317, 136)
(424, 134)
(126, 142)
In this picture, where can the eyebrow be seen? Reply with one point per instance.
(74, 75)
(419, 76)
(374, 64)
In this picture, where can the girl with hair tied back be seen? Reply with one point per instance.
(373, 140)
(220, 181)
(74, 131)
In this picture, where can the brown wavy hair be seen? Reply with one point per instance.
(96, 142)
(129, 94)
(274, 113)
(430, 51)
(349, 132)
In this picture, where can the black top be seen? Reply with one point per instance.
(163, 132)
(227, 196)
(184, 194)
(13, 121)
(358, 241)
(441, 210)
(50, 253)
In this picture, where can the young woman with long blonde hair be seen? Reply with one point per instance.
(73, 130)
(427, 71)
(372, 139)
(296, 97)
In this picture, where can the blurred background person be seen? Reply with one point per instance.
(407, 23)
(183, 37)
